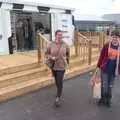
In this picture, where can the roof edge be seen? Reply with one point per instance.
(37, 4)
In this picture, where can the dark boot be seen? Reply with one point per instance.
(101, 102)
(108, 103)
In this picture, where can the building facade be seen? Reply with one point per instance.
(24, 19)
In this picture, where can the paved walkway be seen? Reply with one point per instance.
(78, 104)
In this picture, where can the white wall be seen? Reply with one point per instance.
(5, 30)
(54, 24)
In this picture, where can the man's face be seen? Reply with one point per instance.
(59, 36)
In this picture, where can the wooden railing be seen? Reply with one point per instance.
(42, 43)
(85, 46)
(89, 33)
(98, 38)
(82, 48)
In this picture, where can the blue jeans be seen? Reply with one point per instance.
(107, 81)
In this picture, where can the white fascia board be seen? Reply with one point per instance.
(53, 10)
(38, 4)
(7, 6)
(30, 8)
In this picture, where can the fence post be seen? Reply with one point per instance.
(100, 40)
(104, 39)
(89, 52)
(76, 43)
(38, 47)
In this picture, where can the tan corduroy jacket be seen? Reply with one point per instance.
(61, 51)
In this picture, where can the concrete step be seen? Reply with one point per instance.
(35, 84)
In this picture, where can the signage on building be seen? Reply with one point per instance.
(64, 22)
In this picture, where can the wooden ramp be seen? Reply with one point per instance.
(20, 73)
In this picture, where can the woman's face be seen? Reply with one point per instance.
(115, 40)
(59, 37)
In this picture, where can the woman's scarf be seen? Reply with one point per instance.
(118, 56)
(118, 60)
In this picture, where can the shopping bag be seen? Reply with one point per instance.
(96, 77)
(96, 84)
(97, 90)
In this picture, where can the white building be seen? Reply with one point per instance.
(15, 17)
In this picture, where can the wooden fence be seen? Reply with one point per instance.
(84, 47)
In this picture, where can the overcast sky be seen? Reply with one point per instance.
(96, 7)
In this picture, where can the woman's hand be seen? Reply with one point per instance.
(53, 58)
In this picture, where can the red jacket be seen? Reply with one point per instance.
(103, 59)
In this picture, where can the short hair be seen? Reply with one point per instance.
(57, 31)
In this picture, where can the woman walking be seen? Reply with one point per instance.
(58, 52)
(109, 64)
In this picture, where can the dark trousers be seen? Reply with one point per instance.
(30, 43)
(107, 81)
(58, 75)
(10, 47)
(11, 50)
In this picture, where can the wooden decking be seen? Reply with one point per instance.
(25, 72)
(18, 59)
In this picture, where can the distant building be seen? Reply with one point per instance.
(93, 25)
(113, 17)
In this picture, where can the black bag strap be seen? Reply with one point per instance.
(57, 53)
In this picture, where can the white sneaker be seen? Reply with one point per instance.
(57, 102)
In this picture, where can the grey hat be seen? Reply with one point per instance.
(115, 32)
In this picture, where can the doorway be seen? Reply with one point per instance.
(25, 25)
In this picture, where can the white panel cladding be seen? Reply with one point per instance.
(54, 24)
(5, 30)
(64, 23)
(30, 8)
(1, 32)
(52, 10)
